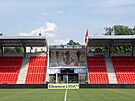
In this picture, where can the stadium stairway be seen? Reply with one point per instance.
(23, 71)
(111, 72)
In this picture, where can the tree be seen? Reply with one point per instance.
(13, 50)
(108, 30)
(71, 42)
(120, 30)
(123, 30)
(7, 50)
(18, 49)
(134, 29)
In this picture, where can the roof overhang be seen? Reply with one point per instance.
(108, 40)
(23, 41)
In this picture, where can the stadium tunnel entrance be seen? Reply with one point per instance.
(68, 78)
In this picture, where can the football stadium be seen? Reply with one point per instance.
(67, 50)
(91, 72)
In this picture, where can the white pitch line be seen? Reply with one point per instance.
(65, 98)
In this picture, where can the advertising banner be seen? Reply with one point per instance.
(63, 86)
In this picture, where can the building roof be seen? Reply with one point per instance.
(20, 41)
(108, 40)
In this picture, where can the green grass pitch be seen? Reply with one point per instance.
(72, 95)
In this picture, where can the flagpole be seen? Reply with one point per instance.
(86, 54)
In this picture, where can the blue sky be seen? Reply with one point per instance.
(62, 20)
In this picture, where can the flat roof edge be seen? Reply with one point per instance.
(112, 37)
(22, 37)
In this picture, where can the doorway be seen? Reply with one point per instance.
(68, 78)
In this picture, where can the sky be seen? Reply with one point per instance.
(64, 20)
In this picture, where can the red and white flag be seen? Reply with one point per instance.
(86, 37)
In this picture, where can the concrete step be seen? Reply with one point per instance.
(111, 72)
(23, 71)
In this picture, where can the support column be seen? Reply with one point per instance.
(67, 78)
(56, 78)
(2, 51)
(109, 51)
(24, 52)
(30, 49)
(132, 50)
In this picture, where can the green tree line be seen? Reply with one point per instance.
(71, 42)
(13, 50)
(120, 30)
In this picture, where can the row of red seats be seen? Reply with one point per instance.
(9, 60)
(9, 69)
(33, 60)
(35, 82)
(37, 70)
(95, 64)
(99, 75)
(9, 78)
(38, 64)
(125, 69)
(123, 57)
(10, 63)
(97, 70)
(96, 61)
(39, 57)
(124, 63)
(8, 82)
(103, 78)
(37, 75)
(35, 78)
(11, 57)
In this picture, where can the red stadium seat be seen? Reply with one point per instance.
(97, 70)
(9, 69)
(37, 70)
(125, 69)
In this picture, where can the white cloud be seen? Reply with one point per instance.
(45, 30)
(61, 41)
(51, 26)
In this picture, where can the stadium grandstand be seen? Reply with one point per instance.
(107, 67)
(67, 68)
(94, 63)
(26, 67)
